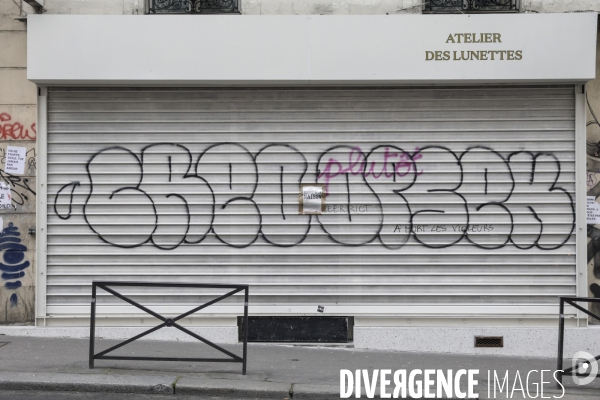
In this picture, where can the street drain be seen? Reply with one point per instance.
(489, 341)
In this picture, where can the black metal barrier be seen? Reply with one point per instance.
(169, 322)
(561, 334)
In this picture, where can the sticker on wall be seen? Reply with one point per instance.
(15, 160)
(311, 199)
(593, 210)
(5, 199)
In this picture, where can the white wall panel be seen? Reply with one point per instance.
(308, 50)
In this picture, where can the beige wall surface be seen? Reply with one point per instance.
(593, 180)
(18, 123)
(17, 129)
(305, 7)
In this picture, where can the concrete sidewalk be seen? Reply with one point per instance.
(274, 371)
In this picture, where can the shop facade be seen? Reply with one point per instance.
(451, 170)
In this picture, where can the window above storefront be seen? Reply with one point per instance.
(470, 6)
(193, 6)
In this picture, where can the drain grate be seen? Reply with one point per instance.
(489, 341)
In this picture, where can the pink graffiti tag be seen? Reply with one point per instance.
(357, 165)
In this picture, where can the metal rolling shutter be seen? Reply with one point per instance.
(202, 185)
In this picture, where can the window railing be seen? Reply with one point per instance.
(469, 6)
(194, 6)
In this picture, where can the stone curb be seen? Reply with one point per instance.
(147, 384)
(189, 385)
(316, 392)
(144, 384)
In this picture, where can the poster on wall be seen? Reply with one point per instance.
(5, 199)
(311, 199)
(15, 160)
(593, 210)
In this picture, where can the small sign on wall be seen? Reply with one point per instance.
(15, 160)
(311, 199)
(5, 199)
(593, 210)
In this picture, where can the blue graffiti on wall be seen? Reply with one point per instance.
(13, 259)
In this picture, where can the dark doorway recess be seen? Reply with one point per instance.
(297, 329)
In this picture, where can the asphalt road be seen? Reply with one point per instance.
(51, 395)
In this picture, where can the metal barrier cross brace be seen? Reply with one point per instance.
(168, 322)
(561, 334)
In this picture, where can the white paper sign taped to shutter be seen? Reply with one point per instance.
(312, 199)
(15, 160)
(5, 198)
(593, 210)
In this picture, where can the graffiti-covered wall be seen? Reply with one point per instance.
(17, 169)
(18, 128)
(438, 196)
(593, 180)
